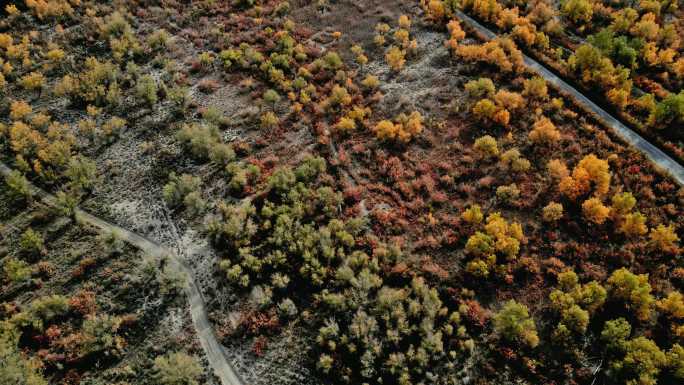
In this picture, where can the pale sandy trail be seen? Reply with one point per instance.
(212, 349)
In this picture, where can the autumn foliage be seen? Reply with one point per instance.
(591, 175)
(501, 53)
(403, 129)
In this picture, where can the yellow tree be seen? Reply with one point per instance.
(544, 132)
(590, 171)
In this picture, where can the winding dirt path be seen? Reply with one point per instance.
(660, 159)
(212, 348)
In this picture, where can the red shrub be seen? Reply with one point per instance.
(476, 313)
(259, 346)
(83, 302)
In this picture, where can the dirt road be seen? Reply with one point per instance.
(212, 349)
(653, 153)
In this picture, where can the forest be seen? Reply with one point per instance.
(279, 192)
(629, 53)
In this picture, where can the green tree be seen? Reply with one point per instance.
(199, 139)
(271, 97)
(480, 88)
(623, 203)
(615, 333)
(486, 146)
(82, 172)
(595, 69)
(31, 242)
(99, 335)
(641, 363)
(325, 363)
(66, 203)
(577, 10)
(575, 318)
(15, 369)
(676, 361)
(634, 290)
(112, 242)
(619, 49)
(183, 189)
(40, 311)
(146, 90)
(576, 302)
(670, 111)
(19, 186)
(177, 369)
(480, 244)
(16, 270)
(514, 323)
(158, 39)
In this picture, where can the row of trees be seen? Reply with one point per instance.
(495, 107)
(501, 52)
